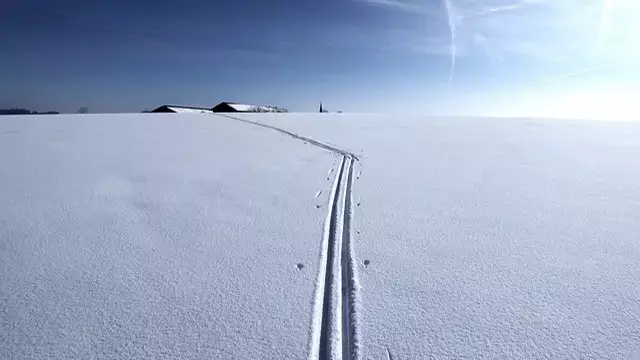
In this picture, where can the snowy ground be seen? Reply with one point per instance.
(163, 236)
(492, 239)
(157, 236)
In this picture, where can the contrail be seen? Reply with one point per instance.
(452, 28)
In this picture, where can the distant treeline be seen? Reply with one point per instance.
(25, 112)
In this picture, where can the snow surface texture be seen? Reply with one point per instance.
(182, 236)
(157, 236)
(491, 238)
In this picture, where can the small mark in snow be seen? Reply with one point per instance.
(358, 232)
(389, 355)
(318, 206)
(306, 143)
(318, 193)
(330, 171)
(142, 205)
(300, 266)
(358, 204)
(358, 176)
(367, 262)
(328, 179)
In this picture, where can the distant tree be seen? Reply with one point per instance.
(262, 109)
(83, 110)
(25, 112)
(15, 112)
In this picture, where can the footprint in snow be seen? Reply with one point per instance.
(366, 263)
(300, 266)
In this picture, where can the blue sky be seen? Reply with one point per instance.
(574, 58)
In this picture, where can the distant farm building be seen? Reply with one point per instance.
(181, 109)
(233, 107)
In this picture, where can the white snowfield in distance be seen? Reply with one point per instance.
(253, 108)
(185, 110)
(222, 237)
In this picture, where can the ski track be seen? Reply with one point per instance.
(350, 336)
(334, 327)
(330, 334)
(334, 330)
(319, 321)
(319, 144)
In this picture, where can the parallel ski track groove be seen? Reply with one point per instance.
(325, 333)
(349, 333)
(323, 267)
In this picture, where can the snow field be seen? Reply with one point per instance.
(157, 236)
(492, 238)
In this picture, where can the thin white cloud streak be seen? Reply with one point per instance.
(452, 28)
(603, 28)
(505, 8)
(577, 72)
(398, 5)
(494, 10)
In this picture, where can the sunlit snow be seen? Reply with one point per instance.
(201, 236)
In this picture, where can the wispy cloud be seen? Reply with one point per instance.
(482, 42)
(603, 28)
(553, 34)
(503, 8)
(578, 72)
(401, 5)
